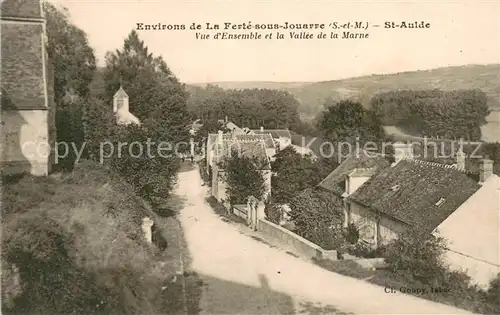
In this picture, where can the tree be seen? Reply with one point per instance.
(273, 212)
(243, 178)
(294, 173)
(159, 100)
(493, 294)
(345, 121)
(209, 126)
(417, 256)
(153, 177)
(74, 65)
(157, 97)
(318, 217)
(450, 114)
(252, 108)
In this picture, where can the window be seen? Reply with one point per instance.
(119, 103)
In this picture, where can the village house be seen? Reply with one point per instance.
(473, 230)
(282, 137)
(384, 200)
(223, 147)
(229, 125)
(27, 90)
(121, 109)
(270, 148)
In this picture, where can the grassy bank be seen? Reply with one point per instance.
(73, 243)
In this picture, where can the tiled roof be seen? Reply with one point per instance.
(252, 149)
(268, 140)
(21, 8)
(335, 181)
(22, 61)
(411, 192)
(275, 133)
(319, 146)
(232, 126)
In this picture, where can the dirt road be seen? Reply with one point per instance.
(247, 276)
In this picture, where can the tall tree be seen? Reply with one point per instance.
(244, 178)
(318, 217)
(157, 97)
(74, 66)
(348, 120)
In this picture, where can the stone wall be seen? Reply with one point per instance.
(26, 144)
(27, 94)
(300, 245)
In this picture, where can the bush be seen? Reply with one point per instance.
(244, 178)
(318, 218)
(418, 256)
(361, 250)
(352, 234)
(273, 213)
(207, 178)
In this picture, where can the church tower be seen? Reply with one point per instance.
(27, 92)
(121, 109)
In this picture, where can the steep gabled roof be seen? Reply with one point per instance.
(418, 193)
(268, 140)
(250, 149)
(275, 133)
(120, 93)
(335, 181)
(319, 146)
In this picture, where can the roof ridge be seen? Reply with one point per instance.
(441, 165)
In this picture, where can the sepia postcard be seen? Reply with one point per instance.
(250, 157)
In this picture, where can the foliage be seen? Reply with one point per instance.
(74, 245)
(294, 172)
(159, 101)
(153, 177)
(417, 256)
(352, 233)
(209, 126)
(345, 121)
(493, 295)
(318, 217)
(450, 114)
(202, 167)
(243, 178)
(74, 66)
(251, 108)
(273, 212)
(156, 96)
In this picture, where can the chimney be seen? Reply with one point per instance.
(485, 170)
(262, 129)
(226, 119)
(460, 160)
(402, 151)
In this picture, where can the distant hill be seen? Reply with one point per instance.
(312, 95)
(255, 85)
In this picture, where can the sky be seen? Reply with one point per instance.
(460, 33)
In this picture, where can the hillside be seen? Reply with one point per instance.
(312, 95)
(255, 85)
(80, 234)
